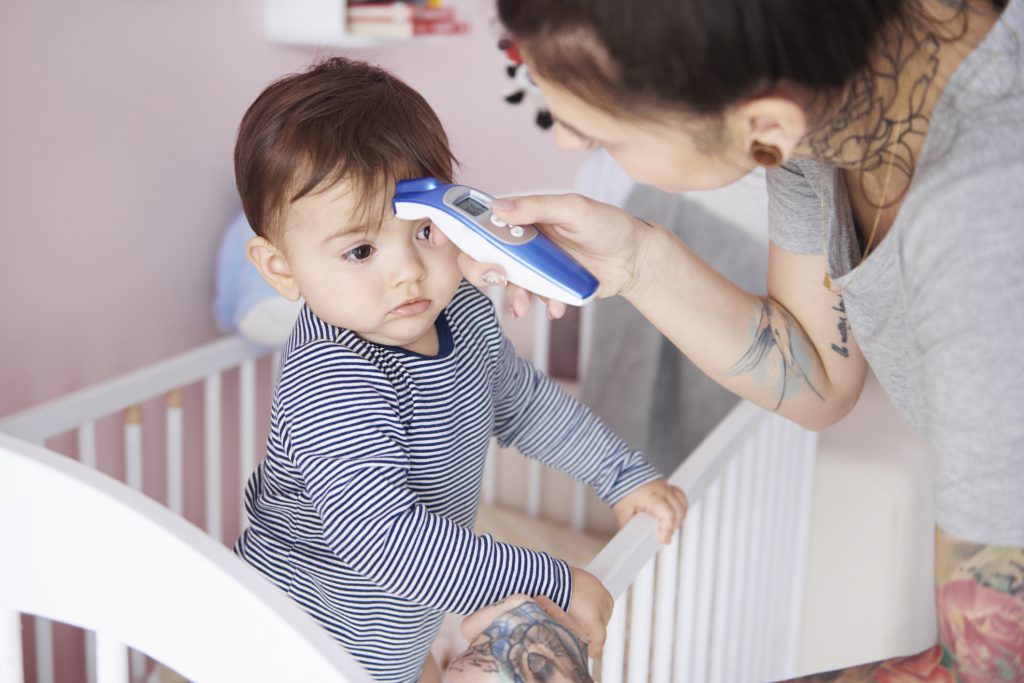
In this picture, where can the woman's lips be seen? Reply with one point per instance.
(412, 307)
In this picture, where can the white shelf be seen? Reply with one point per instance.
(315, 23)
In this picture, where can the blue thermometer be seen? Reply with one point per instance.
(529, 258)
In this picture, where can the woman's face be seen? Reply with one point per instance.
(672, 153)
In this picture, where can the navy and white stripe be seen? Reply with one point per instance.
(363, 508)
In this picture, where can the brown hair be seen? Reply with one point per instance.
(339, 119)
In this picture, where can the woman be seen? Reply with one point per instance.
(892, 133)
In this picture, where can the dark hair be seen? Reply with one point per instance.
(698, 55)
(341, 118)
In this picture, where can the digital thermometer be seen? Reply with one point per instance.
(529, 258)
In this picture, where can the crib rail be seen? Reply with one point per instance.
(106, 558)
(722, 602)
(68, 412)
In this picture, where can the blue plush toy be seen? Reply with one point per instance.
(245, 303)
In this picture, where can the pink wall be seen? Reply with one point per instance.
(117, 121)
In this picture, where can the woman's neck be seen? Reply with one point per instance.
(884, 114)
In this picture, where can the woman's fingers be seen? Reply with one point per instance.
(551, 208)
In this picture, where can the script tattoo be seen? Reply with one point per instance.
(778, 349)
(844, 330)
(525, 645)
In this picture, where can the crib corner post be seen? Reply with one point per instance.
(11, 667)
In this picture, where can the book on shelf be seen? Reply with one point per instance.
(406, 28)
(399, 11)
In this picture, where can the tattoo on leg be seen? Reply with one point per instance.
(775, 338)
(526, 645)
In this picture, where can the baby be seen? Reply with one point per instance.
(394, 380)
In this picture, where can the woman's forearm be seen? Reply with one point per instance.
(752, 345)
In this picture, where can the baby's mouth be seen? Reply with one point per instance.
(412, 307)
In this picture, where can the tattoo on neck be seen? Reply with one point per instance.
(884, 112)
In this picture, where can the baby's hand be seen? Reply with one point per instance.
(659, 499)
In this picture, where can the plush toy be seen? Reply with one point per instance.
(523, 85)
(245, 303)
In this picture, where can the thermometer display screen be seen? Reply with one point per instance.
(471, 206)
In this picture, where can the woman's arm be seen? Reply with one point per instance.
(791, 351)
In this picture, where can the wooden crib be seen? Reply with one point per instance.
(146, 571)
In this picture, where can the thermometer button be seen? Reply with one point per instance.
(516, 231)
(498, 222)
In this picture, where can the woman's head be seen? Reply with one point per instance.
(664, 65)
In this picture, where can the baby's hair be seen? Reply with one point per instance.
(339, 119)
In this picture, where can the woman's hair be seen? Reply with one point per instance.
(340, 119)
(700, 56)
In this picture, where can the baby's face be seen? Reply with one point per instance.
(388, 286)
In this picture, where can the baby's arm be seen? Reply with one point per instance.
(345, 438)
(546, 423)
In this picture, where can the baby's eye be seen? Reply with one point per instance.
(424, 232)
(360, 253)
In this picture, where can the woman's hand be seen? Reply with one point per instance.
(604, 239)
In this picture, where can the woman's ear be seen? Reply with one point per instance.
(273, 267)
(772, 120)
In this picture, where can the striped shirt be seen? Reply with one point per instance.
(363, 509)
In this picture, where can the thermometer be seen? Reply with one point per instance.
(529, 258)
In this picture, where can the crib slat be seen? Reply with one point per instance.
(579, 506)
(111, 660)
(90, 657)
(742, 566)
(489, 492)
(724, 567)
(665, 610)
(807, 446)
(533, 488)
(686, 613)
(706, 576)
(754, 590)
(44, 649)
(175, 452)
(613, 657)
(775, 534)
(247, 419)
(275, 368)
(246, 431)
(641, 609)
(133, 477)
(87, 444)
(11, 669)
(212, 405)
(133, 447)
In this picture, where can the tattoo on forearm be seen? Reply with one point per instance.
(844, 330)
(525, 645)
(779, 350)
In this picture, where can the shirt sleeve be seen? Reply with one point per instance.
(545, 423)
(794, 208)
(347, 442)
(965, 288)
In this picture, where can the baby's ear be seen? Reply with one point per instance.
(273, 267)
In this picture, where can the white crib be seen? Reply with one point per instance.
(722, 603)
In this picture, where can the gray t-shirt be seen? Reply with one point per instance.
(938, 306)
